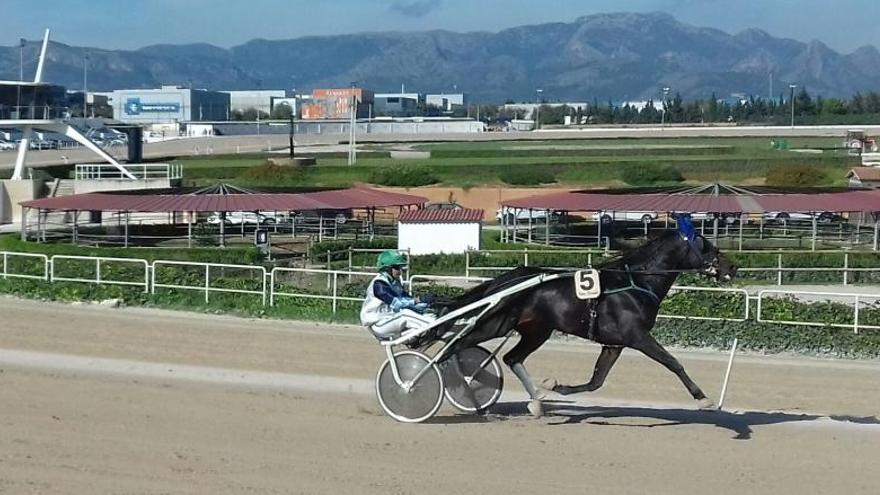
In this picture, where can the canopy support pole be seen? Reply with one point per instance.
(876, 231)
(742, 219)
(222, 229)
(127, 220)
(75, 233)
(547, 227)
(599, 230)
(189, 231)
(529, 235)
(813, 240)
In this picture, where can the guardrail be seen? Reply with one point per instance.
(333, 276)
(856, 299)
(207, 284)
(269, 282)
(99, 278)
(142, 171)
(9, 254)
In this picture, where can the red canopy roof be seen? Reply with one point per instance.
(354, 198)
(848, 201)
(463, 215)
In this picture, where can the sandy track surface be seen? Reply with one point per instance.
(94, 400)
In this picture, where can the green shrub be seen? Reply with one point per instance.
(527, 176)
(272, 173)
(795, 175)
(649, 174)
(403, 176)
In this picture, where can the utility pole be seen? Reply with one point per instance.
(538, 108)
(791, 88)
(85, 85)
(352, 153)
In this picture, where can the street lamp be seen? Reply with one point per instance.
(663, 112)
(538, 108)
(21, 43)
(85, 84)
(791, 88)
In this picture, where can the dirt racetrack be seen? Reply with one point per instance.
(97, 400)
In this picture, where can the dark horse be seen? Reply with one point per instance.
(633, 285)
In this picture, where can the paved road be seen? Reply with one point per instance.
(96, 400)
(234, 144)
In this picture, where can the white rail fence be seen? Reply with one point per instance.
(57, 262)
(849, 299)
(206, 285)
(326, 285)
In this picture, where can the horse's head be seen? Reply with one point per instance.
(703, 256)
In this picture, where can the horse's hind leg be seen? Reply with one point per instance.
(606, 360)
(655, 351)
(529, 342)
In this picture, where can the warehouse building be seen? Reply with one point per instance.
(446, 102)
(397, 103)
(261, 99)
(169, 105)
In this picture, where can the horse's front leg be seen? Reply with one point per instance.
(530, 340)
(655, 351)
(607, 357)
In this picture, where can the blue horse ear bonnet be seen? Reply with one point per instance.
(685, 227)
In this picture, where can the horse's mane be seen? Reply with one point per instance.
(639, 255)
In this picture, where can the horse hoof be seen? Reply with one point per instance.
(536, 407)
(706, 404)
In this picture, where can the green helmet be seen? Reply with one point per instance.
(390, 258)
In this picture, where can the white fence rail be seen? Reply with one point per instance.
(100, 277)
(270, 288)
(8, 256)
(333, 286)
(847, 297)
(206, 286)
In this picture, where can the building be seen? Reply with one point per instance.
(439, 231)
(169, 105)
(22, 100)
(397, 103)
(445, 101)
(864, 177)
(261, 100)
(336, 103)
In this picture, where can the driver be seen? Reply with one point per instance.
(388, 310)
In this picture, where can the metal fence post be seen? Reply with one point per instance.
(467, 263)
(526, 256)
(845, 268)
(207, 281)
(779, 269)
(856, 316)
(4, 265)
(334, 292)
(98, 271)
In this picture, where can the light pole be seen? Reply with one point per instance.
(352, 152)
(85, 85)
(791, 88)
(21, 43)
(663, 112)
(538, 108)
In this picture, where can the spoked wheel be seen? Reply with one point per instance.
(481, 373)
(411, 402)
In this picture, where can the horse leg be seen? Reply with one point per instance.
(606, 360)
(655, 351)
(529, 342)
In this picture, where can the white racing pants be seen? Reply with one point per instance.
(405, 319)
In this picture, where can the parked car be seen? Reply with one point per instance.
(245, 217)
(787, 217)
(443, 206)
(340, 216)
(625, 216)
(6, 145)
(725, 218)
(523, 214)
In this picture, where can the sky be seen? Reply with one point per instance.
(844, 25)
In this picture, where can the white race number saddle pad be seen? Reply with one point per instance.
(586, 284)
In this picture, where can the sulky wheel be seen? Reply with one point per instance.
(480, 372)
(410, 402)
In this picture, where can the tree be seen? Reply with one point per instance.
(282, 111)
